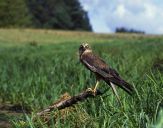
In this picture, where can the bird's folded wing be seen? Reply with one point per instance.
(97, 70)
(108, 74)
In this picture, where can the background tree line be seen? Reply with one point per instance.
(126, 30)
(60, 14)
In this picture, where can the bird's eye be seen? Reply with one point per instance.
(81, 46)
(87, 46)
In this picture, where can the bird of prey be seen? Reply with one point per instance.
(102, 71)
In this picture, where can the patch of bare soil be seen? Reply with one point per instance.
(8, 111)
(5, 124)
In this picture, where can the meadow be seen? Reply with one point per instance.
(39, 66)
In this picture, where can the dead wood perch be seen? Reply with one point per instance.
(61, 104)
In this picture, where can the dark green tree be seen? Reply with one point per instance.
(78, 15)
(49, 14)
(126, 30)
(14, 13)
(61, 14)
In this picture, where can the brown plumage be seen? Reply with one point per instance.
(102, 70)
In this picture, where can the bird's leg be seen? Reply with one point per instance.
(115, 92)
(95, 88)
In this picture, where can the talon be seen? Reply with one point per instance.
(89, 90)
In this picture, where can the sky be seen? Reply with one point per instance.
(106, 15)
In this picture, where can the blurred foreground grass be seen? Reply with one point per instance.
(38, 66)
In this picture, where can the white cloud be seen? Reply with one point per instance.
(121, 10)
(106, 15)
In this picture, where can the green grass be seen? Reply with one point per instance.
(38, 66)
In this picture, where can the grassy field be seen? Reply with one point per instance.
(39, 66)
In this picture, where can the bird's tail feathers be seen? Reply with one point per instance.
(122, 84)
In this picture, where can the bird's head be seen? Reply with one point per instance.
(84, 48)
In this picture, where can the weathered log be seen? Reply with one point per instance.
(67, 102)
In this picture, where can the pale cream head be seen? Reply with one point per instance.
(84, 47)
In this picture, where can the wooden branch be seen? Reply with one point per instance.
(67, 102)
